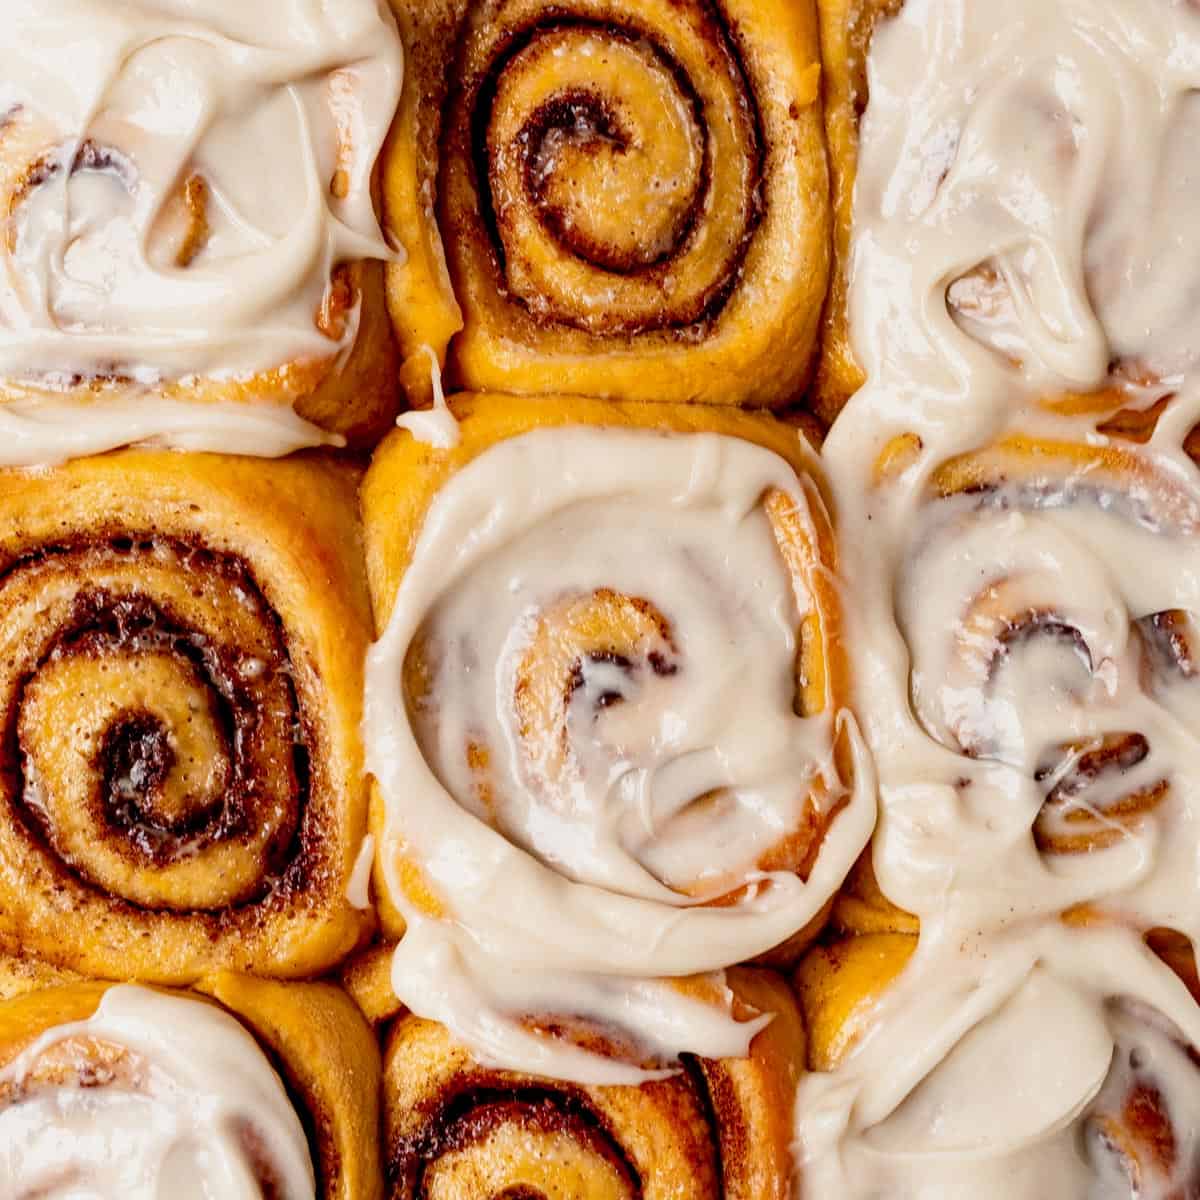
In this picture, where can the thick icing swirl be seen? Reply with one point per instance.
(1019, 515)
(140, 245)
(154, 1096)
(588, 718)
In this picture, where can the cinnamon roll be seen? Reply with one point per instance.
(1051, 683)
(989, 1104)
(605, 716)
(122, 1091)
(181, 651)
(1010, 185)
(454, 1128)
(151, 287)
(633, 196)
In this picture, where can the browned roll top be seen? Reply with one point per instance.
(558, 164)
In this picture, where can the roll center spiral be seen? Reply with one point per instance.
(619, 169)
(154, 739)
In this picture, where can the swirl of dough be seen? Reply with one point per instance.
(176, 770)
(606, 146)
(556, 709)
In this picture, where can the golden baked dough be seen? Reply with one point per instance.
(181, 669)
(455, 1130)
(633, 197)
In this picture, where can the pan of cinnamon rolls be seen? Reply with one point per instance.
(600, 599)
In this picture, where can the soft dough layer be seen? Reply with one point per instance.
(633, 197)
(181, 673)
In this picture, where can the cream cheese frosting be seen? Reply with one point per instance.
(199, 1113)
(1025, 584)
(575, 868)
(141, 241)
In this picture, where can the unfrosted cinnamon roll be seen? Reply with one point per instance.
(605, 713)
(457, 1130)
(633, 196)
(117, 1091)
(181, 643)
(151, 286)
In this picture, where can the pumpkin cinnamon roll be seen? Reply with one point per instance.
(255, 1089)
(180, 678)
(988, 246)
(633, 197)
(605, 714)
(151, 287)
(454, 1128)
(1032, 651)
(1075, 1080)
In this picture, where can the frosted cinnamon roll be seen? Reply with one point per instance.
(633, 196)
(1011, 190)
(181, 644)
(457, 1130)
(121, 1091)
(1026, 637)
(1043, 595)
(987, 1100)
(152, 288)
(605, 716)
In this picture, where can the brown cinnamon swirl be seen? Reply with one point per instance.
(633, 196)
(180, 674)
(456, 1130)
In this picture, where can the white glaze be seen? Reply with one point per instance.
(91, 278)
(435, 426)
(1057, 142)
(171, 1132)
(564, 893)
(358, 886)
(45, 431)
